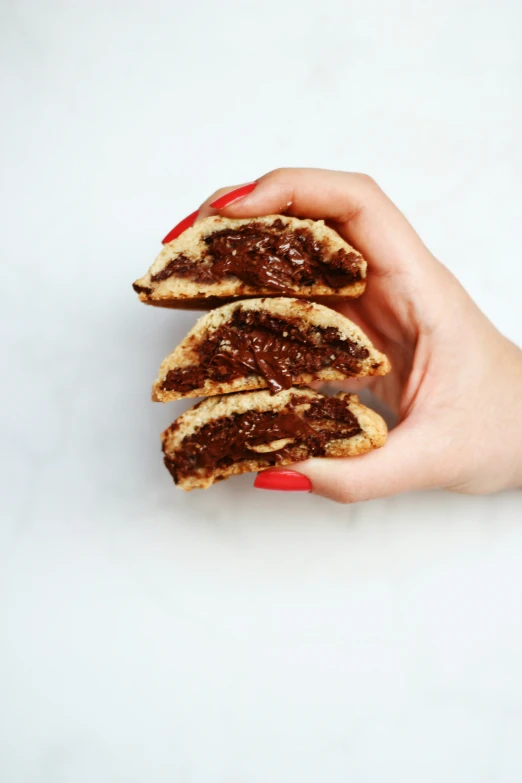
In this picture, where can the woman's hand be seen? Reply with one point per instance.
(456, 382)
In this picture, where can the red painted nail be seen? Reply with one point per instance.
(283, 480)
(181, 227)
(233, 195)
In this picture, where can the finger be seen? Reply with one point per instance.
(406, 463)
(205, 209)
(360, 210)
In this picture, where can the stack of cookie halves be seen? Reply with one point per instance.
(254, 354)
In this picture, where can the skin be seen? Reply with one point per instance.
(456, 383)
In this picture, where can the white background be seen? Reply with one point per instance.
(235, 635)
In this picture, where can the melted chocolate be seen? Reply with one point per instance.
(142, 289)
(267, 257)
(258, 343)
(220, 443)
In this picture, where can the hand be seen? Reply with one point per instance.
(456, 382)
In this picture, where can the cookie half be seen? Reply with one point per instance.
(258, 343)
(220, 259)
(240, 433)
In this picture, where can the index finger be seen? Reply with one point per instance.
(360, 211)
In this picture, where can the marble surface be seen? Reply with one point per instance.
(148, 635)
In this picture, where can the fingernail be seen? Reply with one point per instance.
(233, 195)
(283, 481)
(181, 227)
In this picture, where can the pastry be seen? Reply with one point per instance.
(250, 431)
(221, 259)
(258, 343)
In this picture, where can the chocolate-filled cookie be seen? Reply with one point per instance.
(258, 343)
(220, 259)
(240, 433)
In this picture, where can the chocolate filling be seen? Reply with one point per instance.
(254, 342)
(225, 441)
(142, 289)
(271, 257)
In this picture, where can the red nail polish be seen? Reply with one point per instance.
(233, 195)
(283, 480)
(181, 227)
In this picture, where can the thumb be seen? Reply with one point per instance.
(407, 462)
